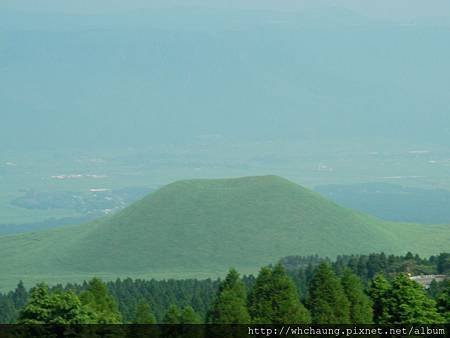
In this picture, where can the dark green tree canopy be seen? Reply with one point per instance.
(101, 306)
(144, 314)
(275, 299)
(189, 316)
(230, 304)
(173, 315)
(360, 304)
(443, 301)
(378, 292)
(399, 300)
(326, 298)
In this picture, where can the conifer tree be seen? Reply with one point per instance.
(275, 299)
(20, 296)
(260, 301)
(378, 292)
(7, 310)
(360, 304)
(172, 315)
(189, 316)
(326, 298)
(230, 304)
(101, 306)
(143, 314)
(443, 263)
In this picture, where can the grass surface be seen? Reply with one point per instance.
(199, 228)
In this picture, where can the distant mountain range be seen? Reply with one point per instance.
(392, 202)
(200, 228)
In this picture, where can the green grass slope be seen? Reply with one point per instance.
(202, 227)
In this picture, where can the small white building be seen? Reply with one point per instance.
(425, 280)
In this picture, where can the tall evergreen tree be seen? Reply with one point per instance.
(260, 301)
(275, 299)
(230, 305)
(8, 311)
(189, 316)
(326, 298)
(378, 291)
(172, 315)
(443, 263)
(101, 306)
(20, 296)
(360, 304)
(408, 303)
(143, 314)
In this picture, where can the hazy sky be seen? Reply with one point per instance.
(175, 75)
(393, 9)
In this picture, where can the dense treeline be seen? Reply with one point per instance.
(366, 266)
(352, 289)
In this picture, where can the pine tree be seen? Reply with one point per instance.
(326, 298)
(8, 311)
(100, 304)
(20, 296)
(443, 263)
(143, 314)
(275, 299)
(260, 301)
(230, 304)
(408, 303)
(172, 315)
(378, 291)
(286, 304)
(189, 316)
(360, 304)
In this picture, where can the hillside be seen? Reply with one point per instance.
(200, 228)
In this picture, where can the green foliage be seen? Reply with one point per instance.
(8, 311)
(20, 296)
(189, 316)
(173, 315)
(407, 303)
(260, 302)
(62, 307)
(227, 299)
(275, 300)
(230, 305)
(443, 301)
(161, 294)
(220, 223)
(360, 304)
(326, 299)
(402, 302)
(378, 291)
(144, 314)
(11, 303)
(101, 306)
(443, 263)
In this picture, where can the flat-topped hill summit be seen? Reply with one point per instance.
(202, 227)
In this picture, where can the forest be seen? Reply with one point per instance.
(352, 289)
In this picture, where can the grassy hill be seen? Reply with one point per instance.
(199, 228)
